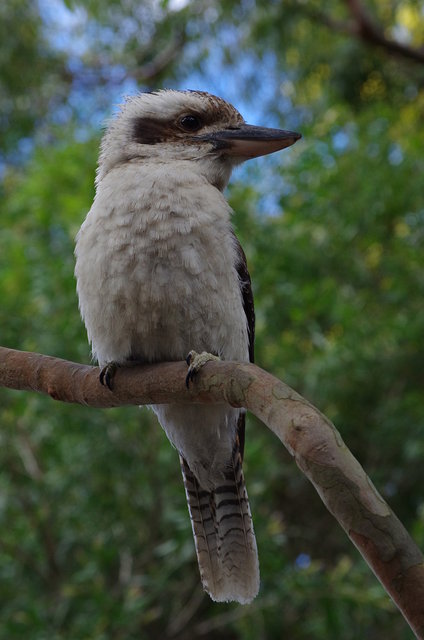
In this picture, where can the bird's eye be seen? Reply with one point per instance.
(190, 123)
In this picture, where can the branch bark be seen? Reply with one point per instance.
(309, 436)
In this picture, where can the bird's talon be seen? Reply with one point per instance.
(195, 362)
(190, 357)
(107, 374)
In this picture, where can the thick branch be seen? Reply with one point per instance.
(308, 435)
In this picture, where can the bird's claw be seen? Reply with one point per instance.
(107, 374)
(195, 362)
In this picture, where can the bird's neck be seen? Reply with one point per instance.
(208, 169)
(162, 190)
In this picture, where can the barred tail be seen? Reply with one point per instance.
(223, 534)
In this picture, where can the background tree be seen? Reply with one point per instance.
(95, 540)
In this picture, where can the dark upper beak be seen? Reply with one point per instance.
(248, 141)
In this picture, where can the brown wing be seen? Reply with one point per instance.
(247, 295)
(249, 310)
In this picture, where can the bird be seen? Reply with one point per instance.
(161, 274)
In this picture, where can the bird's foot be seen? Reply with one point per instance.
(107, 374)
(195, 362)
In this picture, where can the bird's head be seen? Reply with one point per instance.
(174, 127)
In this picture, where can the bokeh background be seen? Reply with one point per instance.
(95, 539)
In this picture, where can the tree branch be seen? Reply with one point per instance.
(370, 32)
(149, 71)
(307, 434)
(363, 26)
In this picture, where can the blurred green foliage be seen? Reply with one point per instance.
(95, 537)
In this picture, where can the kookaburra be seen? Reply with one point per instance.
(159, 273)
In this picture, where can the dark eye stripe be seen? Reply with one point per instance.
(150, 130)
(155, 130)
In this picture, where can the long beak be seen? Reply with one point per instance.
(248, 141)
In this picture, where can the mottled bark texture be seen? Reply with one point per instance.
(309, 436)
